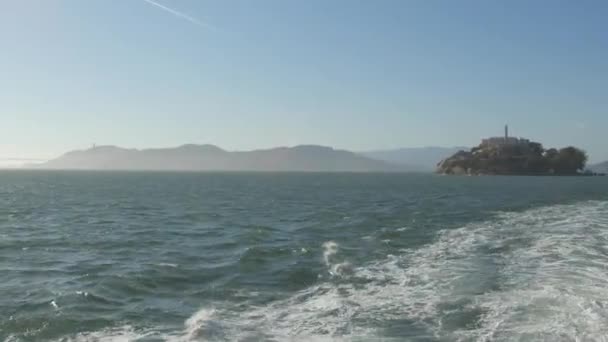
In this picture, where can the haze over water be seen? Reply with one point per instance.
(127, 256)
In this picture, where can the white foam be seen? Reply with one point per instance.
(119, 334)
(197, 322)
(533, 275)
(529, 275)
(330, 249)
(556, 284)
(335, 268)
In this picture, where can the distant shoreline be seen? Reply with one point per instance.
(212, 171)
(257, 172)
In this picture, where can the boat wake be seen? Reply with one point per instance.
(540, 274)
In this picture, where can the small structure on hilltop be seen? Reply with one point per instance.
(506, 140)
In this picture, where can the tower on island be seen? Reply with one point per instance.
(504, 140)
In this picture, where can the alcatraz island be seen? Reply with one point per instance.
(515, 156)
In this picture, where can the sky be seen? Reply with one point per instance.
(352, 74)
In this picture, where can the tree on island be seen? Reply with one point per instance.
(569, 160)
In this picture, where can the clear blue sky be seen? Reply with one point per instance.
(352, 74)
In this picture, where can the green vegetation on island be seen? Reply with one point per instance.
(513, 156)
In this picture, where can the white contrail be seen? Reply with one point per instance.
(181, 15)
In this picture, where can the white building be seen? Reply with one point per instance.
(506, 140)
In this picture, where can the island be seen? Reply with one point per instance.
(515, 156)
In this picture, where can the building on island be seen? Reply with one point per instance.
(504, 141)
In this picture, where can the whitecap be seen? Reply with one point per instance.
(197, 322)
(335, 268)
(118, 334)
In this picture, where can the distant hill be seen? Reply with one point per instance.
(414, 159)
(600, 167)
(310, 158)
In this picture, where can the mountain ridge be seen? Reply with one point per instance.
(422, 159)
(193, 157)
(601, 167)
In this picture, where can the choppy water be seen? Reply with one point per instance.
(90, 256)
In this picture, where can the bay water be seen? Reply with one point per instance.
(148, 256)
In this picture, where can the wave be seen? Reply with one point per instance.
(330, 250)
(533, 275)
(118, 334)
